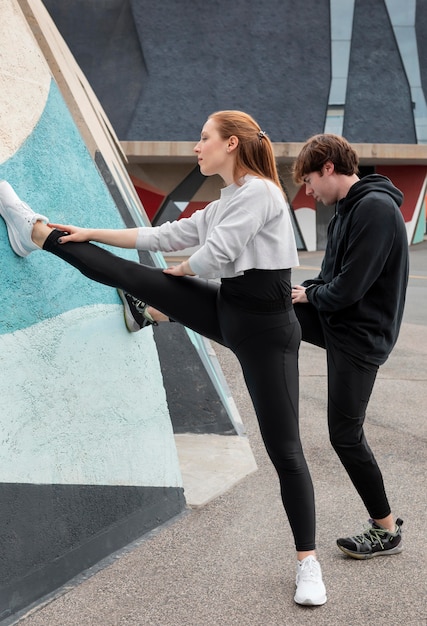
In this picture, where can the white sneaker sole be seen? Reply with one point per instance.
(310, 602)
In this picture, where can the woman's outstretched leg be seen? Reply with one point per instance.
(190, 301)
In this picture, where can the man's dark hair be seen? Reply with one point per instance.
(322, 148)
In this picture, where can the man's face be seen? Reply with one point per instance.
(322, 185)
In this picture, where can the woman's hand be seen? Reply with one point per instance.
(183, 269)
(75, 233)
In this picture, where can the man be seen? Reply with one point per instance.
(354, 310)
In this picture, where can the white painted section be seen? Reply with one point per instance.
(419, 207)
(63, 420)
(181, 205)
(212, 464)
(23, 71)
(306, 218)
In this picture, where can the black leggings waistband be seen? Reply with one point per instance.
(262, 291)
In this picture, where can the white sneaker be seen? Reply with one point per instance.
(310, 588)
(20, 219)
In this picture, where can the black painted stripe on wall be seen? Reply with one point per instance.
(194, 403)
(51, 533)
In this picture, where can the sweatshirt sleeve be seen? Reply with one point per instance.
(369, 243)
(170, 236)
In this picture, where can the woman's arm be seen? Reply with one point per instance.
(120, 238)
(168, 237)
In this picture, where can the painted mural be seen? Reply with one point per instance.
(84, 409)
(68, 330)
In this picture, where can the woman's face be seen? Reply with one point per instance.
(213, 153)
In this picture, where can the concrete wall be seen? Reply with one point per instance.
(177, 62)
(378, 104)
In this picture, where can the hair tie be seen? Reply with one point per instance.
(261, 135)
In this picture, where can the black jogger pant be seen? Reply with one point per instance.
(350, 384)
(266, 345)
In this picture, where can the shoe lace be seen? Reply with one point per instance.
(372, 535)
(139, 305)
(309, 570)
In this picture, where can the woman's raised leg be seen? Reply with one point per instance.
(188, 300)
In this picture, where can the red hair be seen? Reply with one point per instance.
(254, 153)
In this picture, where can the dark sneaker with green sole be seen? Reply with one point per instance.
(374, 541)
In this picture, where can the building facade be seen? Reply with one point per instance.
(352, 67)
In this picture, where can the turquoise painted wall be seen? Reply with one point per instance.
(82, 399)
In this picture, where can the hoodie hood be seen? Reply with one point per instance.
(373, 183)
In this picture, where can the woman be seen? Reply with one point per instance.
(245, 238)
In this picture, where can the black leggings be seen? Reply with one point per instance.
(266, 345)
(350, 384)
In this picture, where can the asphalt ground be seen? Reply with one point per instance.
(231, 562)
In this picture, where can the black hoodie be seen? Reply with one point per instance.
(360, 291)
